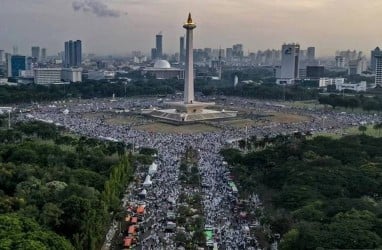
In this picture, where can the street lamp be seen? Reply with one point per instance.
(65, 112)
(9, 118)
(323, 122)
(125, 83)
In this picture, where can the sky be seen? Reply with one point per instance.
(121, 26)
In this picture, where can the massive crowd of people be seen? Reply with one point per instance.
(218, 199)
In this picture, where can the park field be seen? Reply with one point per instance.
(241, 123)
(370, 131)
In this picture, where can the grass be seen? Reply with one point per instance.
(370, 131)
(354, 131)
(160, 127)
(241, 123)
(269, 117)
(314, 105)
(311, 104)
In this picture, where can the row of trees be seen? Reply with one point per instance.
(319, 192)
(190, 213)
(58, 191)
(352, 102)
(87, 89)
(143, 87)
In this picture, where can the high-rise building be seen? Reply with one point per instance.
(311, 53)
(373, 60)
(153, 53)
(237, 50)
(8, 58)
(16, 64)
(228, 54)
(356, 67)
(302, 55)
(78, 57)
(2, 56)
(73, 54)
(182, 51)
(159, 45)
(378, 70)
(36, 53)
(289, 63)
(30, 63)
(340, 61)
(43, 54)
(207, 52)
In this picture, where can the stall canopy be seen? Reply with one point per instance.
(141, 210)
(148, 181)
(143, 193)
(127, 242)
(132, 230)
(134, 220)
(153, 168)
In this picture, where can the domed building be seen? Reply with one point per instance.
(162, 64)
(162, 70)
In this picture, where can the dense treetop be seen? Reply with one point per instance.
(319, 192)
(57, 190)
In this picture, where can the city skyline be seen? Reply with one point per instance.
(119, 27)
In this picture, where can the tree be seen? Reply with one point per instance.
(289, 241)
(353, 103)
(362, 129)
(199, 237)
(181, 239)
(50, 215)
(378, 126)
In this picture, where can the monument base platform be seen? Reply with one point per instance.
(173, 116)
(189, 108)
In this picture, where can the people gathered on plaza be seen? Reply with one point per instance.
(163, 188)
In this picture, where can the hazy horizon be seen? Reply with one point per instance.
(122, 26)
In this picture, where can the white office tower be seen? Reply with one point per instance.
(378, 70)
(8, 58)
(72, 74)
(46, 76)
(289, 63)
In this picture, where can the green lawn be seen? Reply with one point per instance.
(354, 131)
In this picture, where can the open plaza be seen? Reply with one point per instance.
(122, 120)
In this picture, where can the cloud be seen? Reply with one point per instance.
(97, 7)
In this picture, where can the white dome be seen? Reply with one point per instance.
(162, 64)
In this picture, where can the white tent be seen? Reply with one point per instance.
(148, 181)
(153, 168)
(143, 193)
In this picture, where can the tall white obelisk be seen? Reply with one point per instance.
(189, 110)
(189, 70)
